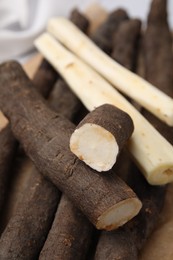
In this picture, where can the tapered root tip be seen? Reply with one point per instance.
(119, 214)
(95, 146)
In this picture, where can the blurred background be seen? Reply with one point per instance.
(21, 21)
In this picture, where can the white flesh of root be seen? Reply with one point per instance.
(121, 78)
(3, 121)
(119, 214)
(151, 151)
(95, 146)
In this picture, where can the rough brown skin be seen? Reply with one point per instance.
(121, 126)
(22, 171)
(152, 198)
(116, 245)
(119, 244)
(158, 51)
(104, 34)
(70, 235)
(26, 231)
(45, 78)
(66, 103)
(157, 48)
(66, 99)
(80, 20)
(8, 147)
(45, 138)
(126, 242)
(157, 44)
(29, 226)
(69, 224)
(126, 36)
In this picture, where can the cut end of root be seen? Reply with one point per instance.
(95, 146)
(161, 176)
(119, 214)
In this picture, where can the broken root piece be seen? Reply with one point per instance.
(100, 136)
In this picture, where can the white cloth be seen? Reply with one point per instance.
(21, 21)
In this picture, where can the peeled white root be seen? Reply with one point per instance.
(126, 81)
(95, 146)
(151, 151)
(3, 121)
(119, 214)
